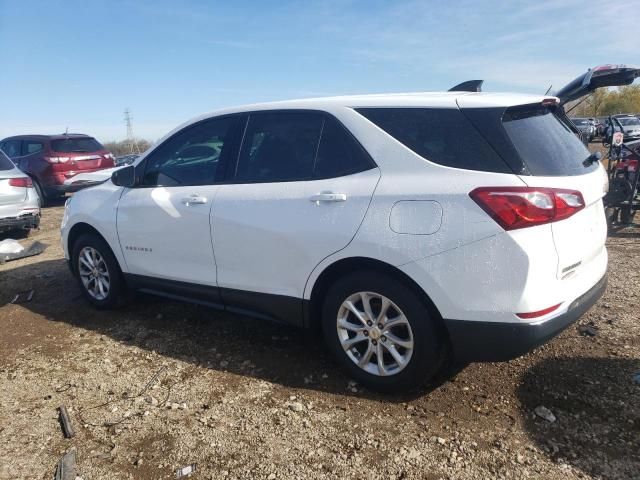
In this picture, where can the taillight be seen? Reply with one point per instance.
(57, 159)
(521, 207)
(24, 182)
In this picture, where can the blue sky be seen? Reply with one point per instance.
(79, 64)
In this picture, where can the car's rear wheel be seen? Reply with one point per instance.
(382, 332)
(98, 272)
(43, 199)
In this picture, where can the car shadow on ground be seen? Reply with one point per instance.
(625, 231)
(587, 396)
(196, 334)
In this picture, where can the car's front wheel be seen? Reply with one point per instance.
(381, 331)
(97, 271)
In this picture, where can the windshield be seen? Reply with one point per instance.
(76, 145)
(628, 121)
(546, 145)
(5, 163)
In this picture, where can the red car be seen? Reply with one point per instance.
(51, 159)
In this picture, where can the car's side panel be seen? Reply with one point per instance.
(96, 206)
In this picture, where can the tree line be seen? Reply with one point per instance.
(604, 102)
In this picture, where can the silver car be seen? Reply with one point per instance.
(19, 202)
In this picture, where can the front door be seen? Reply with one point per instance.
(164, 222)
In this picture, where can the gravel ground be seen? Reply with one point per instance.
(159, 385)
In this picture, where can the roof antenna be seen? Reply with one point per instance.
(66, 132)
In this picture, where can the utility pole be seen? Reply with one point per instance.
(131, 140)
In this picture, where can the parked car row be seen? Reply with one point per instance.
(603, 127)
(49, 160)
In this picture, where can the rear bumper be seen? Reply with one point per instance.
(498, 341)
(21, 222)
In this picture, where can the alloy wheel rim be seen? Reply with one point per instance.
(375, 334)
(94, 273)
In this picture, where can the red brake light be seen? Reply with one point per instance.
(521, 207)
(539, 313)
(24, 182)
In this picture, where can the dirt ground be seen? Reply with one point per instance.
(159, 385)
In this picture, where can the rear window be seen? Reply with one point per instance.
(78, 145)
(5, 163)
(442, 136)
(544, 143)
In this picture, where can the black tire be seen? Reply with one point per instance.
(44, 200)
(117, 288)
(626, 214)
(429, 344)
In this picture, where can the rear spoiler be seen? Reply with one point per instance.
(468, 86)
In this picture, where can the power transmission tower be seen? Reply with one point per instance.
(131, 140)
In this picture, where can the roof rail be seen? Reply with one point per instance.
(468, 86)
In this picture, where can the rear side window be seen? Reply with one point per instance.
(279, 147)
(442, 136)
(76, 145)
(5, 163)
(545, 144)
(30, 146)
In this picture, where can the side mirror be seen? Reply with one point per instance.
(124, 177)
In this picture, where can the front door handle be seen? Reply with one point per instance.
(328, 197)
(194, 200)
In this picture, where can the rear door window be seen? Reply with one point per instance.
(76, 145)
(279, 146)
(442, 136)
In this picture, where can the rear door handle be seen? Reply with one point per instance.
(328, 197)
(194, 200)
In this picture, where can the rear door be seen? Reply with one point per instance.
(298, 193)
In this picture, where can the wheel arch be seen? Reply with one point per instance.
(351, 264)
(77, 231)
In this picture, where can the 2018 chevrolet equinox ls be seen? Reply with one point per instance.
(409, 228)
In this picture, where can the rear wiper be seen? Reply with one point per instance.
(591, 159)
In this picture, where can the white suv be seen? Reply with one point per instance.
(410, 228)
